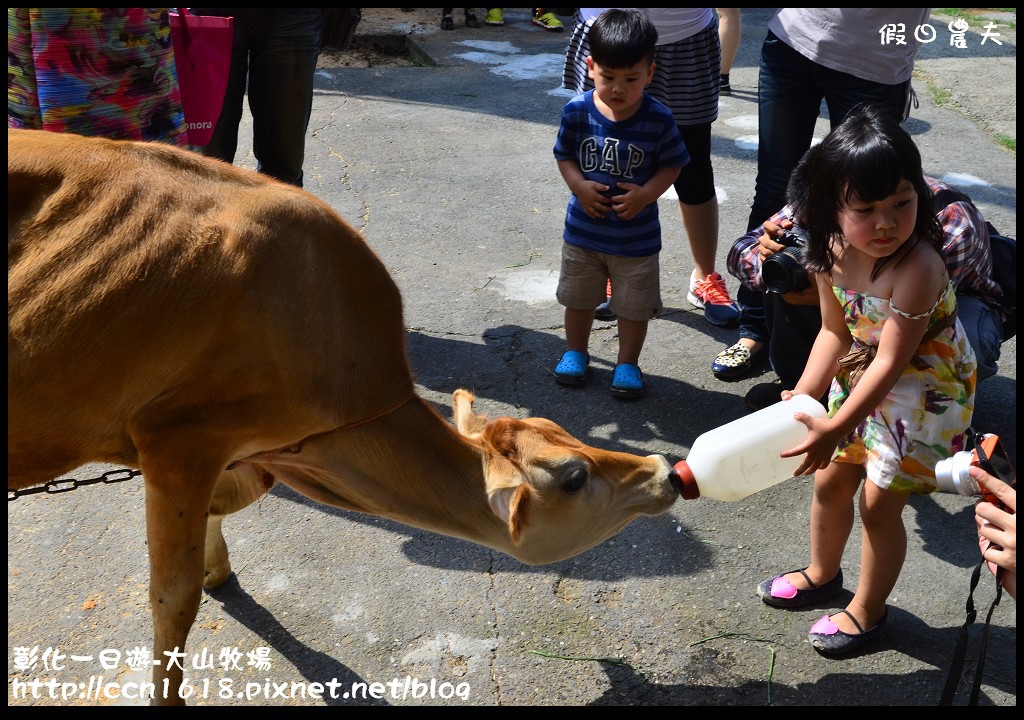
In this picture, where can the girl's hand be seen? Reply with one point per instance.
(819, 446)
(589, 193)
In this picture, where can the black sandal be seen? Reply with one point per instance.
(779, 592)
(827, 638)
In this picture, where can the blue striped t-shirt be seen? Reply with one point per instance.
(610, 152)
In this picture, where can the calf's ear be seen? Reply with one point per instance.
(512, 505)
(467, 422)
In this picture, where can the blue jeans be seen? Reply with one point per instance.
(984, 330)
(791, 89)
(792, 331)
(273, 58)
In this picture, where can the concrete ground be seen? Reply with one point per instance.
(447, 170)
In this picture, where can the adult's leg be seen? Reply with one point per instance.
(281, 89)
(843, 92)
(698, 206)
(224, 141)
(788, 104)
(731, 363)
(730, 28)
(701, 225)
(686, 80)
(698, 203)
(793, 329)
(984, 331)
(753, 326)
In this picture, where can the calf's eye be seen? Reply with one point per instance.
(575, 481)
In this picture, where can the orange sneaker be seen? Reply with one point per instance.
(712, 295)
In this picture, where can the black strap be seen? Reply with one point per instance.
(984, 639)
(960, 649)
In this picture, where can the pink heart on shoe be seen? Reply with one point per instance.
(783, 588)
(825, 626)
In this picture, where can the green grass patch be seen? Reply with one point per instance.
(976, 15)
(940, 96)
(1007, 142)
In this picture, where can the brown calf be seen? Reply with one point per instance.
(258, 338)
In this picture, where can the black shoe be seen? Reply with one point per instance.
(724, 88)
(471, 21)
(762, 395)
(790, 597)
(604, 312)
(447, 23)
(828, 639)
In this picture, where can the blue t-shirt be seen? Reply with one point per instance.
(610, 152)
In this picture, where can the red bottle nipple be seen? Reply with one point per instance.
(687, 482)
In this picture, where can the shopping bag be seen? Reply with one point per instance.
(202, 56)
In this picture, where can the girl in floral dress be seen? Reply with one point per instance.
(902, 372)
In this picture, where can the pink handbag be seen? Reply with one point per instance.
(202, 56)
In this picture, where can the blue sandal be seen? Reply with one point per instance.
(628, 381)
(572, 368)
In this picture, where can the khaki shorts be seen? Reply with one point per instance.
(636, 288)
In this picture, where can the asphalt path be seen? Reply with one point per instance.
(447, 170)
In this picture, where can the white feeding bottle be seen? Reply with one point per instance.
(742, 457)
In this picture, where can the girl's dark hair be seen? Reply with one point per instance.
(866, 156)
(622, 38)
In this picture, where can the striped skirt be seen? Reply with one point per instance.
(686, 73)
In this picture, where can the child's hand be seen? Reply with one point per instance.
(819, 446)
(629, 204)
(590, 195)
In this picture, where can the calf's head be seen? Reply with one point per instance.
(557, 495)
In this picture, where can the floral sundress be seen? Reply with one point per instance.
(925, 416)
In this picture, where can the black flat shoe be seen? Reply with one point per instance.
(828, 639)
(778, 592)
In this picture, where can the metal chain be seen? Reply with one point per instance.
(115, 476)
(67, 484)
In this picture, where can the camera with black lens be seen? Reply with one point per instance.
(784, 271)
(952, 476)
